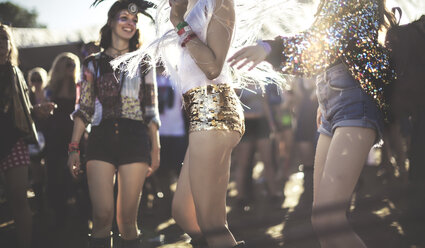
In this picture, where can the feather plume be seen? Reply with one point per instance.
(254, 19)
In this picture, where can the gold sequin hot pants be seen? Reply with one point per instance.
(214, 107)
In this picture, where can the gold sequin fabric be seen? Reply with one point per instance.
(214, 107)
(345, 30)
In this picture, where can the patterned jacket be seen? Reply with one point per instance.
(113, 94)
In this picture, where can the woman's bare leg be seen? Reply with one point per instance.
(209, 170)
(264, 146)
(131, 178)
(319, 161)
(16, 180)
(100, 178)
(183, 207)
(244, 157)
(345, 159)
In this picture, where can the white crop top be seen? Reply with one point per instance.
(189, 74)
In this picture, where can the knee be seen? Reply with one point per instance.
(126, 219)
(103, 217)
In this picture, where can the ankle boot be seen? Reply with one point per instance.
(240, 244)
(199, 242)
(100, 242)
(133, 243)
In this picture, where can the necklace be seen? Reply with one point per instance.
(118, 52)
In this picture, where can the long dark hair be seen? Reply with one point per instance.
(13, 55)
(106, 30)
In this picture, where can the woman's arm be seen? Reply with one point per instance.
(340, 23)
(86, 94)
(210, 57)
(156, 147)
(151, 116)
(150, 98)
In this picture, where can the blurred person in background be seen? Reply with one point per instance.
(258, 138)
(37, 81)
(17, 130)
(61, 89)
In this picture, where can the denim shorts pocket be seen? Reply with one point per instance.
(341, 80)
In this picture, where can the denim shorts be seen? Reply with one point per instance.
(343, 103)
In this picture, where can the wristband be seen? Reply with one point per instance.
(73, 147)
(73, 151)
(186, 29)
(181, 25)
(265, 45)
(187, 39)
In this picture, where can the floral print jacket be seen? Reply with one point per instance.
(105, 94)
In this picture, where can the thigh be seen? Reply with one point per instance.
(131, 178)
(100, 179)
(183, 195)
(346, 156)
(209, 169)
(319, 161)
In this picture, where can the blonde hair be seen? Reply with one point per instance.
(13, 53)
(57, 74)
(41, 72)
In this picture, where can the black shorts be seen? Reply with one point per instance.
(120, 141)
(255, 129)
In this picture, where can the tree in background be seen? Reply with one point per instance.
(18, 16)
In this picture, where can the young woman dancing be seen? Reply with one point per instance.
(194, 54)
(216, 120)
(125, 139)
(353, 78)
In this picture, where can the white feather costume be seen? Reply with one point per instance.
(254, 19)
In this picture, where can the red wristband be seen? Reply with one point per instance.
(188, 38)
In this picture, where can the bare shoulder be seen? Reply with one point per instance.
(225, 7)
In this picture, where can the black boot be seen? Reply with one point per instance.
(100, 242)
(240, 244)
(199, 242)
(133, 243)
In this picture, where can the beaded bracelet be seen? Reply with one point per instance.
(73, 151)
(73, 147)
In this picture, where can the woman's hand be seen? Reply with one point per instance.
(254, 54)
(74, 165)
(178, 9)
(155, 155)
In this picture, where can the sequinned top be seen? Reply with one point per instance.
(111, 94)
(345, 30)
